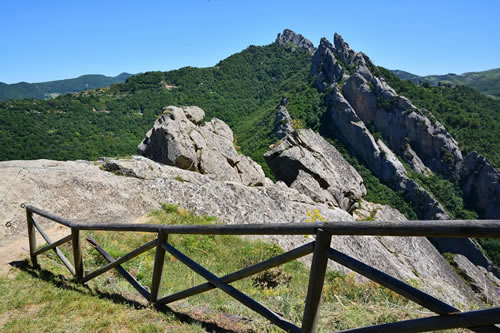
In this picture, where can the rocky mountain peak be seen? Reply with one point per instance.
(342, 49)
(289, 36)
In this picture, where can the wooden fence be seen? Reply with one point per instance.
(447, 316)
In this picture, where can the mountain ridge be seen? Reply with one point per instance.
(51, 89)
(486, 82)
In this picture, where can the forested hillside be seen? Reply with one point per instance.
(487, 82)
(50, 89)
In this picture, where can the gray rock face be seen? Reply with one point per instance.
(343, 51)
(283, 123)
(378, 157)
(484, 283)
(325, 67)
(414, 161)
(399, 122)
(81, 192)
(288, 36)
(306, 162)
(176, 139)
(403, 125)
(481, 184)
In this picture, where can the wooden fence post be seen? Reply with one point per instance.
(31, 237)
(158, 267)
(77, 253)
(316, 279)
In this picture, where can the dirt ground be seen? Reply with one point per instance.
(18, 249)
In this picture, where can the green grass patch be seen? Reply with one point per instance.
(50, 300)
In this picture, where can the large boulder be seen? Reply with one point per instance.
(307, 162)
(177, 139)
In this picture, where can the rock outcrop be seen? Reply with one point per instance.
(381, 160)
(307, 162)
(408, 131)
(481, 184)
(283, 122)
(288, 36)
(81, 191)
(325, 66)
(362, 105)
(177, 139)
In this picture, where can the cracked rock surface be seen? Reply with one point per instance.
(177, 139)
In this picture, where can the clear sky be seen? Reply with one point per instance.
(49, 40)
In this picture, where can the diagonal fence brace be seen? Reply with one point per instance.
(405, 290)
(457, 320)
(119, 261)
(123, 272)
(50, 246)
(242, 274)
(56, 250)
(231, 291)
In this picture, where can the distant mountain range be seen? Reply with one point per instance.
(487, 82)
(51, 89)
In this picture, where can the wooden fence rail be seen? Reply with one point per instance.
(449, 316)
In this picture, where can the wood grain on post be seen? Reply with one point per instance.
(158, 266)
(31, 238)
(316, 279)
(77, 253)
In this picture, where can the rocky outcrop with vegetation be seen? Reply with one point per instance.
(307, 162)
(289, 36)
(177, 139)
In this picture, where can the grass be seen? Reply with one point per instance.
(48, 299)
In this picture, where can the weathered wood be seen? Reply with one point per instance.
(441, 228)
(231, 291)
(123, 272)
(316, 279)
(243, 273)
(56, 250)
(31, 238)
(53, 245)
(77, 253)
(158, 266)
(463, 319)
(119, 261)
(405, 290)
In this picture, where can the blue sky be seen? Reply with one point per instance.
(50, 40)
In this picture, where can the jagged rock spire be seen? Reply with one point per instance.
(283, 122)
(289, 36)
(342, 49)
